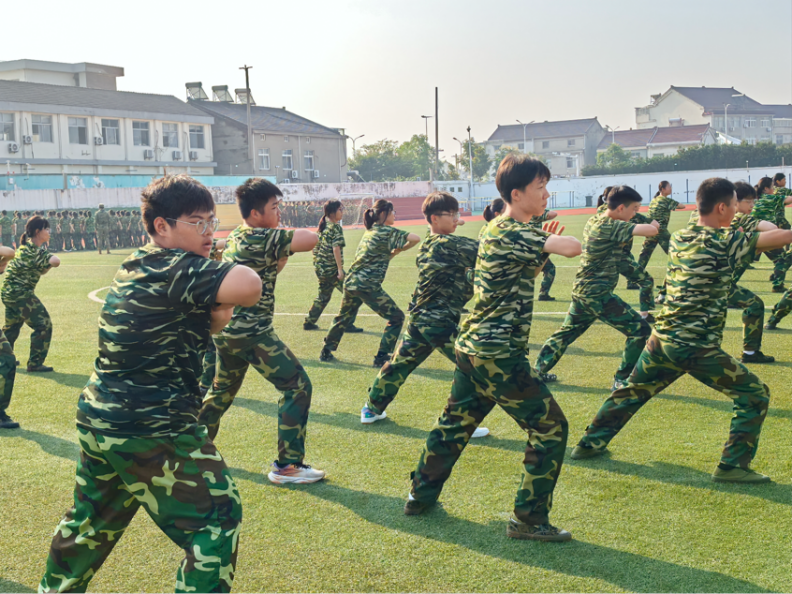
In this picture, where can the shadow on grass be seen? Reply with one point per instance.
(341, 365)
(723, 405)
(54, 446)
(11, 586)
(73, 380)
(625, 570)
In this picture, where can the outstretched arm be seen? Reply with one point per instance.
(303, 240)
(649, 230)
(569, 247)
(770, 240)
(412, 241)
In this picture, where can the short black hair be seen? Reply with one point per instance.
(439, 202)
(517, 171)
(745, 191)
(713, 191)
(172, 197)
(254, 194)
(619, 195)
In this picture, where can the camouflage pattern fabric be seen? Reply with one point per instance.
(209, 364)
(372, 257)
(183, 484)
(781, 218)
(278, 365)
(781, 260)
(752, 316)
(103, 239)
(327, 285)
(480, 384)
(323, 257)
(781, 309)
(660, 209)
(415, 346)
(603, 241)
(650, 243)
(153, 334)
(630, 270)
(103, 230)
(701, 261)
(7, 372)
(503, 289)
(260, 249)
(29, 310)
(583, 312)
(549, 269)
(24, 271)
(380, 303)
(7, 230)
(767, 207)
(660, 365)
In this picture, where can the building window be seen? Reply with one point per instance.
(170, 135)
(545, 144)
(78, 131)
(751, 140)
(659, 154)
(111, 132)
(571, 142)
(285, 139)
(764, 122)
(635, 154)
(779, 139)
(309, 161)
(140, 134)
(42, 128)
(264, 159)
(750, 122)
(307, 140)
(521, 146)
(570, 163)
(7, 126)
(197, 137)
(288, 163)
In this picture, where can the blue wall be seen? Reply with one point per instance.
(61, 182)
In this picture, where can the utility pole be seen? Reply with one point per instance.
(470, 160)
(249, 122)
(437, 137)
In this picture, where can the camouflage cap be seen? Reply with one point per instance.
(101, 205)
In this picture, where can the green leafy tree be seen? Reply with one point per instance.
(380, 161)
(418, 155)
(448, 171)
(481, 160)
(614, 156)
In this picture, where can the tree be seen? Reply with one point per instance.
(614, 156)
(418, 155)
(380, 161)
(504, 150)
(481, 160)
(448, 171)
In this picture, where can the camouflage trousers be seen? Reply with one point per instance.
(782, 308)
(55, 243)
(90, 241)
(752, 316)
(650, 243)
(781, 260)
(327, 284)
(77, 239)
(278, 365)
(549, 272)
(381, 303)
(29, 310)
(7, 372)
(103, 239)
(480, 384)
(182, 482)
(415, 346)
(209, 364)
(583, 312)
(8, 239)
(660, 365)
(67, 241)
(630, 270)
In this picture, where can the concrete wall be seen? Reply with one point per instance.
(68, 181)
(385, 190)
(675, 105)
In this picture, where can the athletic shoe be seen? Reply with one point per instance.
(547, 377)
(298, 474)
(543, 532)
(778, 289)
(618, 384)
(413, 507)
(771, 325)
(380, 360)
(310, 326)
(17, 363)
(326, 356)
(38, 368)
(660, 299)
(7, 422)
(545, 297)
(367, 416)
(633, 286)
(480, 432)
(739, 475)
(757, 357)
(583, 452)
(353, 329)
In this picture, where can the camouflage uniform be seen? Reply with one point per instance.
(90, 232)
(593, 297)
(444, 285)
(103, 229)
(7, 372)
(141, 444)
(7, 230)
(766, 209)
(492, 368)
(363, 284)
(249, 339)
(659, 210)
(687, 338)
(781, 218)
(21, 304)
(326, 269)
(66, 232)
(79, 222)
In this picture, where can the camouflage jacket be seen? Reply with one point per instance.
(373, 256)
(6, 225)
(660, 209)
(638, 219)
(323, 258)
(537, 221)
(746, 222)
(154, 329)
(102, 220)
(767, 206)
(503, 290)
(259, 249)
(90, 224)
(445, 280)
(79, 225)
(701, 261)
(780, 206)
(603, 247)
(24, 271)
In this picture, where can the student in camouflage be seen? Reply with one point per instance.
(328, 261)
(491, 355)
(660, 210)
(780, 189)
(249, 339)
(689, 332)
(210, 358)
(7, 229)
(380, 243)
(103, 229)
(548, 270)
(445, 284)
(767, 209)
(141, 443)
(7, 358)
(592, 294)
(90, 231)
(32, 260)
(67, 232)
(492, 210)
(78, 225)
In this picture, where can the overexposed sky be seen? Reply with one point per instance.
(371, 66)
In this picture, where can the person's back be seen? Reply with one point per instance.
(603, 240)
(372, 257)
(102, 219)
(660, 209)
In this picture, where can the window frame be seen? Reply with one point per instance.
(779, 138)
(198, 131)
(83, 128)
(287, 153)
(117, 131)
(7, 119)
(545, 144)
(312, 156)
(265, 152)
(750, 122)
(571, 142)
(166, 135)
(34, 124)
(137, 133)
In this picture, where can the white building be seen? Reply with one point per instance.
(659, 142)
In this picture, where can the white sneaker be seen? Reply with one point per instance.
(368, 416)
(480, 432)
(294, 473)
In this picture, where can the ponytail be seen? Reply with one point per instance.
(374, 214)
(34, 224)
(604, 196)
(765, 183)
(322, 224)
(494, 209)
(331, 207)
(661, 187)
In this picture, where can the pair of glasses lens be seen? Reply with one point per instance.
(201, 226)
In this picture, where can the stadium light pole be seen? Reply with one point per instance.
(353, 143)
(613, 133)
(426, 122)
(524, 125)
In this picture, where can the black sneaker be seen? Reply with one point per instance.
(545, 297)
(633, 286)
(7, 422)
(380, 360)
(771, 325)
(544, 532)
(778, 289)
(310, 326)
(38, 368)
(352, 329)
(757, 357)
(413, 507)
(582, 452)
(547, 377)
(326, 356)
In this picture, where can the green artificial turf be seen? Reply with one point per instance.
(647, 518)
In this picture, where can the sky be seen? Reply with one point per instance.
(371, 66)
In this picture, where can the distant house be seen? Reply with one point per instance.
(782, 123)
(286, 145)
(659, 142)
(567, 145)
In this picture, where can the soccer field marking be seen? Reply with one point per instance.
(92, 295)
